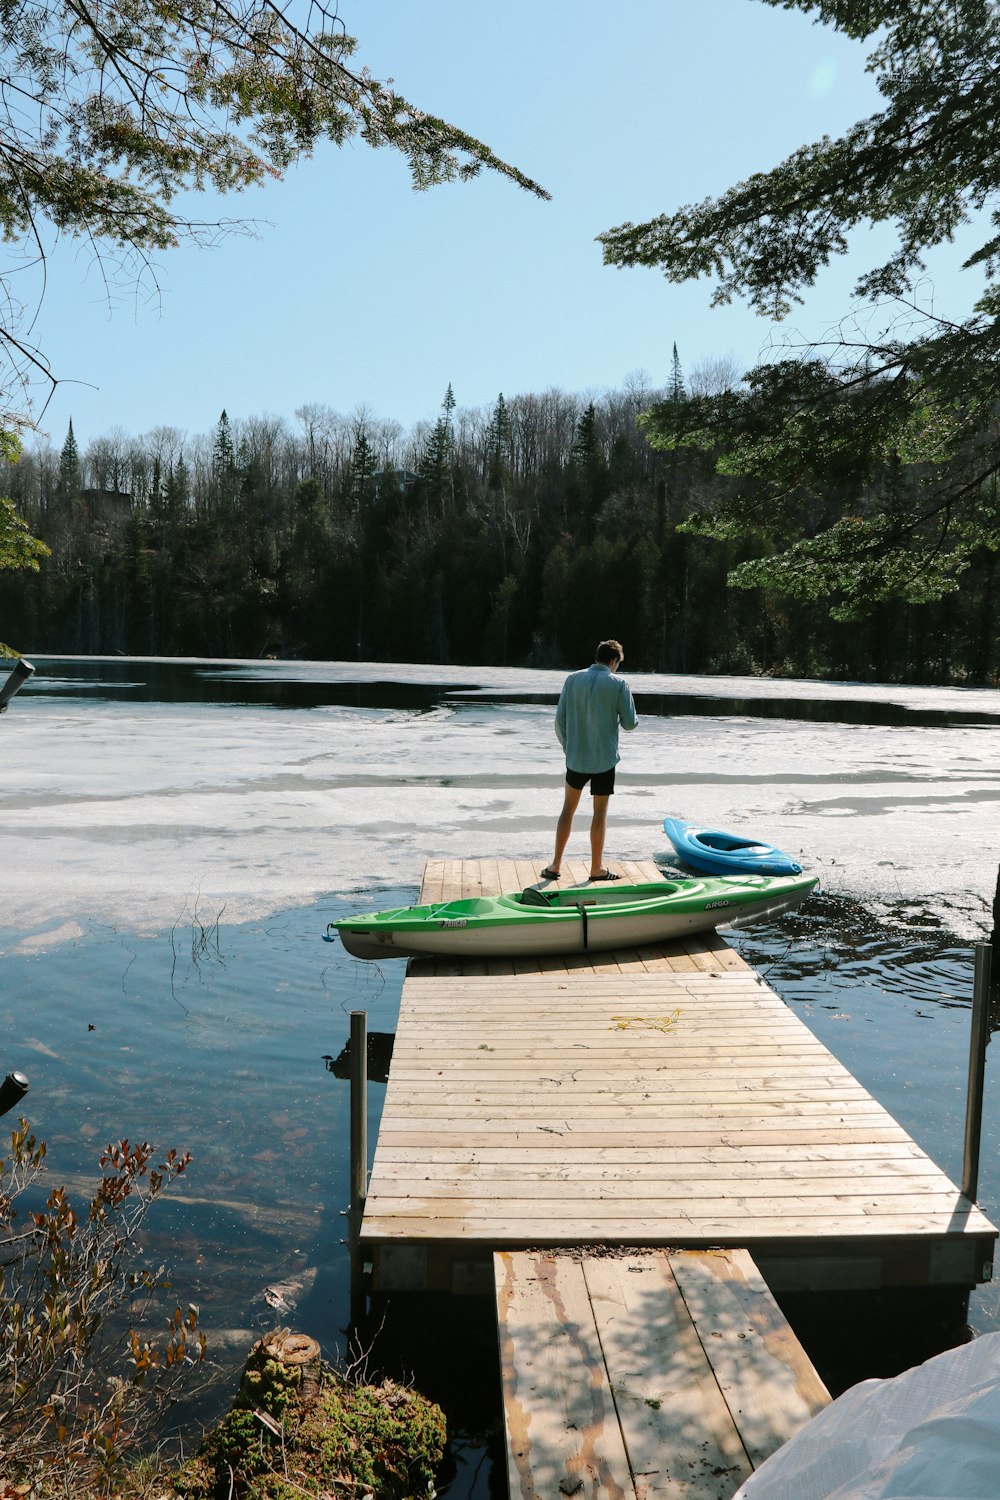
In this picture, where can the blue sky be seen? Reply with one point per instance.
(360, 291)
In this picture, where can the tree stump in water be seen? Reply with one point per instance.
(295, 1351)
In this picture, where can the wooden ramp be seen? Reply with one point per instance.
(654, 1375)
(664, 1097)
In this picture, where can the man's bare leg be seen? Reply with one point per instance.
(571, 801)
(598, 827)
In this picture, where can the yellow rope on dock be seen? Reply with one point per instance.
(654, 1023)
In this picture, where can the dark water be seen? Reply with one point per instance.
(130, 681)
(276, 685)
(218, 1040)
(809, 710)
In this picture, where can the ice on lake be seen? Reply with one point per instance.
(129, 808)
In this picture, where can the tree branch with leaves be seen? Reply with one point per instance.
(111, 109)
(71, 1299)
(813, 436)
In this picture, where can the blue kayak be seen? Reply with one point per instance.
(726, 853)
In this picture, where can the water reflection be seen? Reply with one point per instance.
(891, 996)
(379, 1054)
(813, 710)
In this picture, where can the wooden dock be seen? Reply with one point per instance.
(663, 1375)
(663, 1097)
(631, 1152)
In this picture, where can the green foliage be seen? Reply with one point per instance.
(18, 548)
(899, 384)
(856, 564)
(926, 164)
(385, 1440)
(392, 1437)
(360, 492)
(69, 467)
(436, 464)
(677, 391)
(794, 430)
(140, 100)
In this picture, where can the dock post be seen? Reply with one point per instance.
(359, 1156)
(977, 1070)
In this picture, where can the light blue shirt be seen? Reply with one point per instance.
(592, 704)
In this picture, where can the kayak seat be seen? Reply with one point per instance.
(534, 897)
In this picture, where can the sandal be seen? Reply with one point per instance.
(549, 875)
(605, 875)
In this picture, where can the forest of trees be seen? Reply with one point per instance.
(517, 534)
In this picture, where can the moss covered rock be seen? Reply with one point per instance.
(296, 1429)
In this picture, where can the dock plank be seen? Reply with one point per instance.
(769, 1384)
(499, 1228)
(561, 1427)
(680, 1436)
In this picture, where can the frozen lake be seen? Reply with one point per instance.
(133, 791)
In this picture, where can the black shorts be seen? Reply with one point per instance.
(602, 783)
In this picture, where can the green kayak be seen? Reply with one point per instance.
(571, 920)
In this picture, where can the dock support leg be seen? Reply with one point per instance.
(359, 1158)
(978, 1042)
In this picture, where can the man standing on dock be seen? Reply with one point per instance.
(592, 706)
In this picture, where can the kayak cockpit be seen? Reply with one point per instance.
(571, 898)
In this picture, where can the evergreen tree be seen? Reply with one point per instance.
(434, 469)
(361, 477)
(360, 496)
(223, 452)
(225, 474)
(18, 548)
(435, 466)
(70, 476)
(68, 524)
(676, 391)
(588, 481)
(156, 485)
(499, 577)
(586, 443)
(498, 436)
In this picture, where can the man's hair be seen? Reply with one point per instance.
(609, 651)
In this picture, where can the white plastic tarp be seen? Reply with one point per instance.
(932, 1433)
